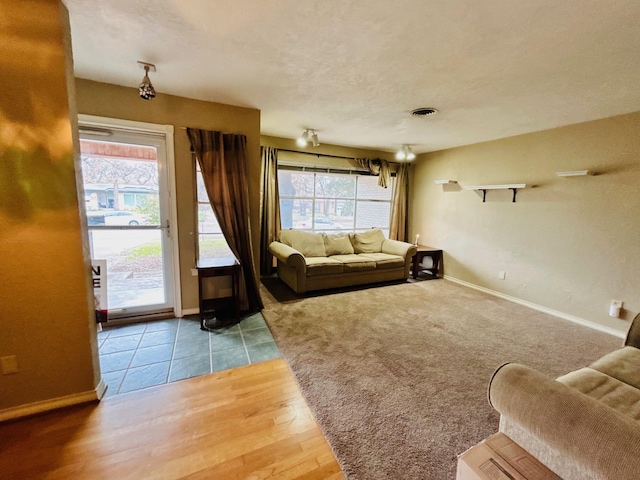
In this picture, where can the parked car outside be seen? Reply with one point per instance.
(124, 218)
(319, 224)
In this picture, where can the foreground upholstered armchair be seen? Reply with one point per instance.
(584, 425)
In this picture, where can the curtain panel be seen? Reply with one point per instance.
(400, 204)
(269, 208)
(223, 162)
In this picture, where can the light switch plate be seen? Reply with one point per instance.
(9, 364)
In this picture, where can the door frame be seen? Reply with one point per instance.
(93, 121)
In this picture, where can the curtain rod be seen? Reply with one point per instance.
(305, 153)
(314, 154)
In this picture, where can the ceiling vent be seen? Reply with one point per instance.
(424, 112)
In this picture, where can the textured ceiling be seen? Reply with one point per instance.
(354, 69)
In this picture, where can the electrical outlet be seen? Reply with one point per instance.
(194, 272)
(9, 364)
(502, 275)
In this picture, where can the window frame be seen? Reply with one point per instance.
(315, 170)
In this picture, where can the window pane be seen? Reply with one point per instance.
(202, 191)
(295, 184)
(368, 189)
(207, 222)
(344, 213)
(120, 184)
(134, 266)
(213, 246)
(211, 242)
(336, 186)
(301, 213)
(373, 214)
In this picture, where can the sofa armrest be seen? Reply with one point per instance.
(287, 255)
(633, 335)
(579, 427)
(395, 247)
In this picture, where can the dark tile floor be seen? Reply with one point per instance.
(141, 355)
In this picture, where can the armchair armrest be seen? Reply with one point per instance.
(633, 335)
(287, 255)
(578, 426)
(395, 247)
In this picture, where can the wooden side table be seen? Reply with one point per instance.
(218, 267)
(425, 251)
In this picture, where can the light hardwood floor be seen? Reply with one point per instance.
(251, 422)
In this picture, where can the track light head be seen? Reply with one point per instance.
(314, 139)
(309, 135)
(405, 153)
(303, 139)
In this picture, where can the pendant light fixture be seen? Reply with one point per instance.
(146, 90)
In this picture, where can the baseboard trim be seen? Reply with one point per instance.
(540, 308)
(29, 409)
(190, 311)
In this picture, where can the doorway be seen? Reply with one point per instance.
(125, 173)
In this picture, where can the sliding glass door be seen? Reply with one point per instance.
(127, 206)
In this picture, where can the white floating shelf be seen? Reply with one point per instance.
(444, 182)
(575, 173)
(484, 188)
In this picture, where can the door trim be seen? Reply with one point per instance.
(168, 132)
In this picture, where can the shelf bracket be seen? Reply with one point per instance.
(483, 188)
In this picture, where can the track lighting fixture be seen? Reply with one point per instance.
(405, 153)
(307, 136)
(146, 90)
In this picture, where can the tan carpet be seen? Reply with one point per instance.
(396, 376)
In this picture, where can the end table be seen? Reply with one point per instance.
(218, 267)
(425, 251)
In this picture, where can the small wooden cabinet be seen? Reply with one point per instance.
(218, 267)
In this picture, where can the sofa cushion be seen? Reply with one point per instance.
(337, 244)
(355, 263)
(608, 390)
(623, 364)
(367, 242)
(323, 266)
(308, 244)
(385, 260)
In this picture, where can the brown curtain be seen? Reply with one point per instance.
(223, 162)
(377, 167)
(400, 204)
(270, 208)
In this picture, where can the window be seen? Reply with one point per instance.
(211, 241)
(333, 202)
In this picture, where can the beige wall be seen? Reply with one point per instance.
(46, 304)
(568, 244)
(114, 101)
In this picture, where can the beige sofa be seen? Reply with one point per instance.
(584, 425)
(315, 261)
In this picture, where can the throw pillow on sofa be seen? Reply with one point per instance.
(308, 244)
(367, 242)
(337, 244)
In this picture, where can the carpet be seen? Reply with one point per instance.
(396, 376)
